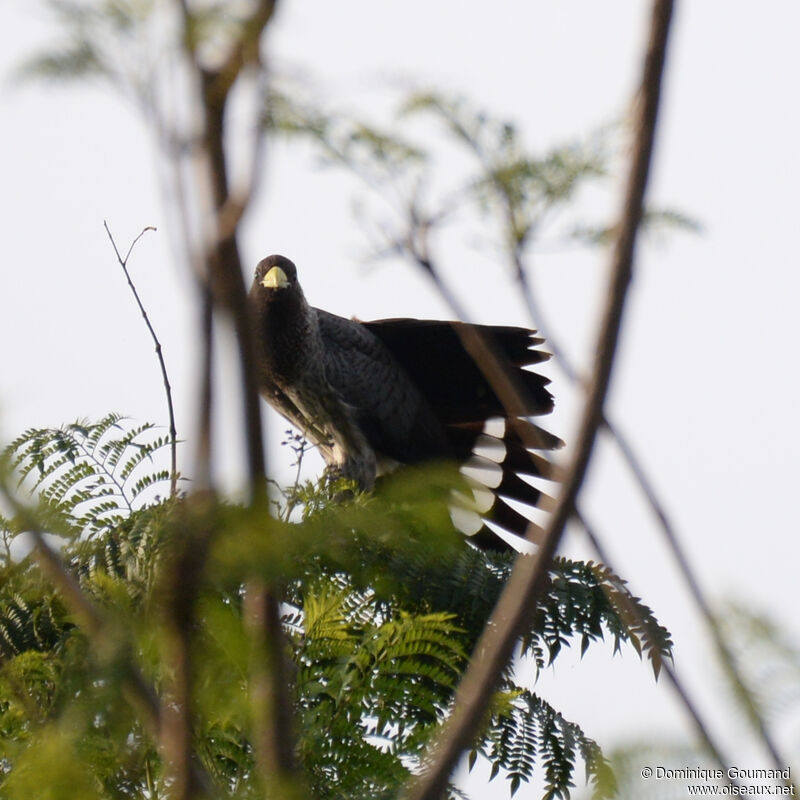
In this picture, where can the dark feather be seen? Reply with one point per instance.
(401, 389)
(432, 354)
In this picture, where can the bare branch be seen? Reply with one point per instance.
(700, 726)
(666, 524)
(202, 477)
(227, 283)
(696, 591)
(104, 641)
(180, 583)
(100, 635)
(270, 683)
(227, 295)
(173, 435)
(244, 53)
(529, 576)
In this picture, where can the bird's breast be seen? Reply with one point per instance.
(287, 347)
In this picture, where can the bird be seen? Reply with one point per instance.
(374, 395)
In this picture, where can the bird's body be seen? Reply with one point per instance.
(395, 391)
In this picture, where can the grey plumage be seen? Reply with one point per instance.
(398, 390)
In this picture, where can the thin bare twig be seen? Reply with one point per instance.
(692, 581)
(631, 609)
(529, 576)
(642, 478)
(104, 641)
(505, 384)
(173, 435)
(175, 728)
(274, 745)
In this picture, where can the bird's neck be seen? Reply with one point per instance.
(289, 333)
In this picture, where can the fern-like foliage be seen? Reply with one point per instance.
(385, 560)
(383, 603)
(584, 600)
(30, 624)
(526, 731)
(522, 186)
(381, 680)
(128, 557)
(94, 473)
(376, 684)
(768, 660)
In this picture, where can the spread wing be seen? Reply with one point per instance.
(390, 406)
(493, 446)
(404, 390)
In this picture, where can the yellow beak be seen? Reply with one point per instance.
(275, 279)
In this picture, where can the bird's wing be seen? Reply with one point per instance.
(495, 454)
(391, 410)
(432, 353)
(406, 390)
(288, 409)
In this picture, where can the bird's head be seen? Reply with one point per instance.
(280, 317)
(275, 273)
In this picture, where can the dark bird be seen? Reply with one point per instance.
(374, 394)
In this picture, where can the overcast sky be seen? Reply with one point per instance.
(706, 383)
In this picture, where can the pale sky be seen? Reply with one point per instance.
(705, 385)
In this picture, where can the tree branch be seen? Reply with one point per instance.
(227, 295)
(668, 530)
(173, 435)
(529, 576)
(505, 384)
(700, 726)
(180, 583)
(102, 637)
(270, 683)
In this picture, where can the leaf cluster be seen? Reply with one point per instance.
(92, 473)
(383, 603)
(109, 40)
(522, 197)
